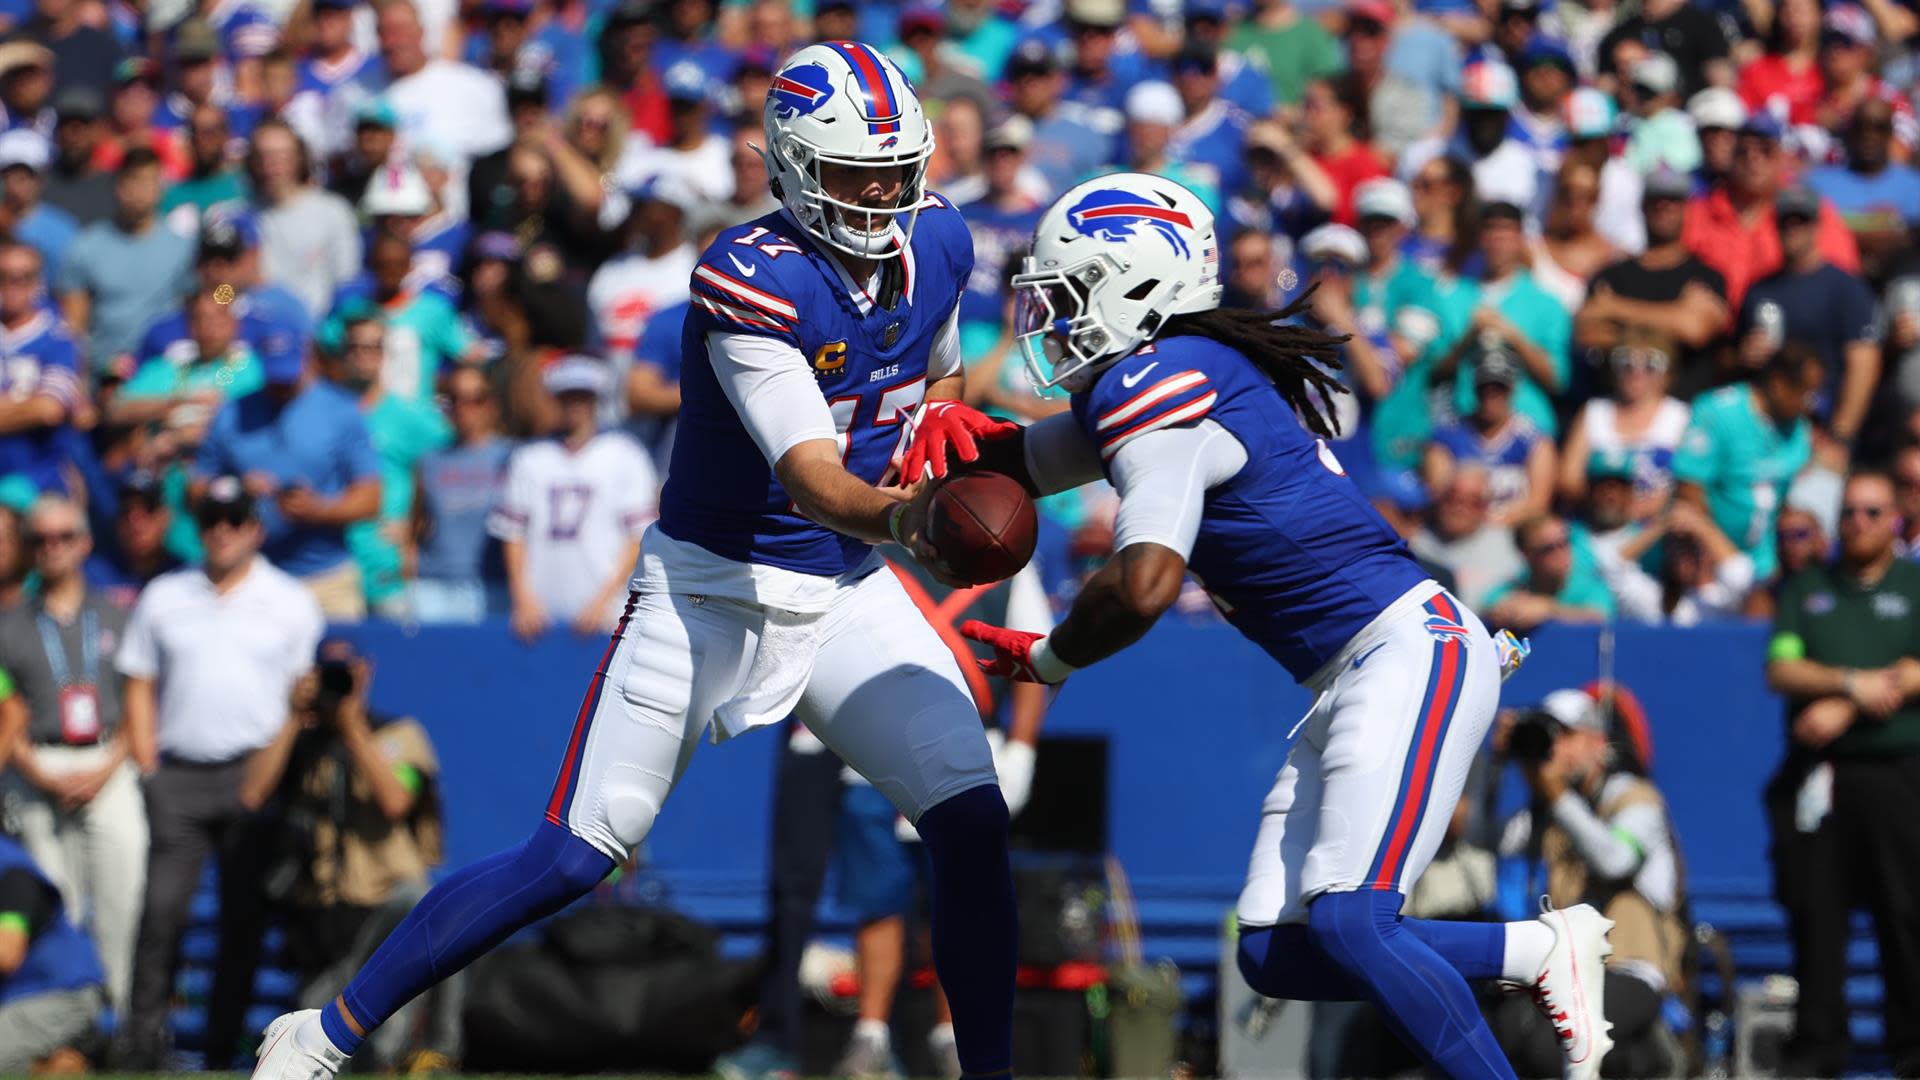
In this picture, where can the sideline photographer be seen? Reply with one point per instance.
(355, 795)
(1603, 838)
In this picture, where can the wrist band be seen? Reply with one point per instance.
(1047, 663)
(894, 517)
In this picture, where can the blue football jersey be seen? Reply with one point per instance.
(1290, 550)
(768, 278)
(1504, 455)
(39, 358)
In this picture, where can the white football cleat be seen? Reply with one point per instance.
(282, 1057)
(1570, 989)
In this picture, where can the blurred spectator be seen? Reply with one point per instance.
(1337, 133)
(1520, 460)
(625, 52)
(1288, 194)
(199, 75)
(1369, 367)
(1702, 575)
(14, 563)
(1097, 77)
(1636, 420)
(1503, 169)
(82, 52)
(1571, 250)
(1402, 111)
(1718, 118)
(1666, 290)
(137, 88)
(1786, 81)
(1879, 198)
(1844, 807)
(1002, 220)
(693, 154)
(1458, 537)
(210, 655)
(1601, 829)
(1591, 119)
(73, 182)
(301, 447)
(1065, 146)
(1546, 76)
(42, 390)
(1606, 503)
(1448, 216)
(653, 271)
(1253, 276)
(1506, 308)
(50, 980)
(752, 196)
(1153, 113)
(1905, 470)
(1818, 305)
(943, 74)
(357, 793)
(212, 178)
(182, 388)
(367, 152)
(1662, 136)
(1743, 447)
(1392, 296)
(457, 110)
(1211, 140)
(596, 125)
(458, 575)
(1553, 587)
(1732, 227)
(1799, 542)
(73, 796)
(958, 166)
(573, 510)
(424, 334)
(48, 229)
(309, 237)
(1690, 33)
(136, 553)
(1290, 46)
(122, 274)
(403, 428)
(1848, 45)
(333, 59)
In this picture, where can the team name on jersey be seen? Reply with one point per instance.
(887, 372)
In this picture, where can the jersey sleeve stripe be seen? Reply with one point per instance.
(706, 289)
(745, 293)
(1187, 413)
(738, 315)
(1151, 396)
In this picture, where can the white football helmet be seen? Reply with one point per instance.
(843, 103)
(1112, 260)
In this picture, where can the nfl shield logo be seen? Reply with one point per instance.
(890, 336)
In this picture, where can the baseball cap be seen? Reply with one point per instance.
(1574, 709)
(1717, 107)
(1656, 73)
(1503, 206)
(576, 374)
(1032, 57)
(1378, 12)
(522, 8)
(397, 189)
(228, 233)
(1335, 242)
(1590, 114)
(1797, 201)
(1488, 84)
(1665, 183)
(195, 41)
(225, 500)
(136, 69)
(140, 484)
(629, 13)
(1155, 102)
(1106, 14)
(1196, 55)
(1403, 489)
(1765, 125)
(376, 112)
(1613, 464)
(1213, 10)
(1495, 367)
(1546, 50)
(922, 17)
(24, 147)
(21, 53)
(527, 86)
(335, 5)
(282, 355)
(1384, 197)
(686, 81)
(1013, 133)
(1848, 24)
(79, 103)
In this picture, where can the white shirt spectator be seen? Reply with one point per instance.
(706, 169)
(310, 245)
(455, 110)
(626, 292)
(222, 665)
(576, 513)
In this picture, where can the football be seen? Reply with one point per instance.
(983, 526)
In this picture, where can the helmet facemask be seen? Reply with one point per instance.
(865, 232)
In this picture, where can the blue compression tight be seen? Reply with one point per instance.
(975, 925)
(474, 909)
(1354, 946)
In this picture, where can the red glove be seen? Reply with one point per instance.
(948, 424)
(1013, 654)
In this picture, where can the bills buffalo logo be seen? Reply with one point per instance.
(831, 358)
(889, 142)
(1112, 214)
(1444, 629)
(801, 90)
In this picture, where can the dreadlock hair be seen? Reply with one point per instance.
(1297, 359)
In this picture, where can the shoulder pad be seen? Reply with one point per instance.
(739, 280)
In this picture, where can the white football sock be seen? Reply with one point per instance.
(873, 1031)
(1527, 946)
(941, 1035)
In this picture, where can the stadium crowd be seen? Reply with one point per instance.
(1628, 287)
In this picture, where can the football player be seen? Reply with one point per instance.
(1210, 424)
(816, 332)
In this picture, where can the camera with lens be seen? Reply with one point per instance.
(1530, 740)
(335, 682)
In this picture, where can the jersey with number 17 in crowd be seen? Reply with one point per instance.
(768, 278)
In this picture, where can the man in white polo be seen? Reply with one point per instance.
(210, 657)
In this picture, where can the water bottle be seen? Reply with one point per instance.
(1771, 320)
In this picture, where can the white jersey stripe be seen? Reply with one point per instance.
(745, 293)
(739, 315)
(1152, 395)
(1192, 411)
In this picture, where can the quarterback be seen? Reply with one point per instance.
(1209, 423)
(817, 333)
